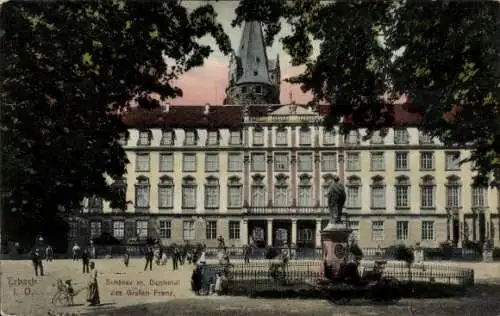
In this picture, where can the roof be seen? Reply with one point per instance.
(182, 116)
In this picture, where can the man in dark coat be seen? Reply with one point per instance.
(85, 260)
(149, 259)
(36, 258)
(175, 259)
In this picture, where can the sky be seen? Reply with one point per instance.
(207, 84)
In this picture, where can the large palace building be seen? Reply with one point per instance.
(256, 168)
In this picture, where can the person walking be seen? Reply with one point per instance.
(49, 253)
(175, 260)
(85, 260)
(76, 252)
(126, 258)
(36, 258)
(149, 259)
(93, 297)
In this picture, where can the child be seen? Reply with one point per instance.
(70, 291)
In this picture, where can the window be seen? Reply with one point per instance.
(95, 229)
(119, 229)
(234, 192)
(258, 137)
(189, 192)
(353, 138)
(188, 230)
(306, 235)
(235, 162)
(190, 138)
(211, 162)
(141, 229)
(166, 193)
(144, 138)
(142, 162)
(378, 230)
(258, 191)
(427, 192)
(425, 138)
(165, 229)
(281, 162)
(74, 231)
(353, 163)
(189, 162)
(304, 137)
(234, 230)
(401, 136)
(453, 192)
(377, 161)
(281, 136)
(120, 185)
(305, 191)
(167, 138)
(402, 161)
(235, 138)
(95, 204)
(354, 192)
(329, 137)
(281, 192)
(401, 230)
(402, 192)
(328, 162)
(258, 89)
(452, 160)
(212, 193)
(376, 138)
(166, 162)
(211, 230)
(142, 193)
(479, 196)
(378, 193)
(305, 162)
(426, 160)
(258, 162)
(427, 230)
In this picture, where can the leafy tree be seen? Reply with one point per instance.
(450, 58)
(69, 69)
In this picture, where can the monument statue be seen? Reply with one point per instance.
(336, 200)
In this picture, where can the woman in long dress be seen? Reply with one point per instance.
(93, 288)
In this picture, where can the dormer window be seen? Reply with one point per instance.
(258, 89)
(190, 138)
(213, 138)
(144, 138)
(235, 138)
(401, 136)
(243, 89)
(167, 138)
(257, 59)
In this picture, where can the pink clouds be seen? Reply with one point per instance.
(208, 84)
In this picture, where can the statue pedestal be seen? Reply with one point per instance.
(335, 251)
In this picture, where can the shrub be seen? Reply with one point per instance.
(277, 272)
(356, 251)
(446, 249)
(477, 246)
(403, 253)
(496, 253)
(106, 240)
(271, 253)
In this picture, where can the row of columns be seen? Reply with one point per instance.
(245, 233)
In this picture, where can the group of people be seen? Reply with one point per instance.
(160, 255)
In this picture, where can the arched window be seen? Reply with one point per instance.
(378, 193)
(353, 138)
(304, 136)
(95, 204)
(327, 181)
(258, 191)
(427, 192)
(234, 190)
(142, 192)
(305, 191)
(166, 192)
(189, 192)
(453, 192)
(212, 193)
(402, 192)
(401, 136)
(354, 192)
(281, 191)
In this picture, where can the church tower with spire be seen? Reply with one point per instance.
(253, 79)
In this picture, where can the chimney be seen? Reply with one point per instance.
(207, 109)
(166, 107)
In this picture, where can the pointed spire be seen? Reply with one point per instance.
(252, 53)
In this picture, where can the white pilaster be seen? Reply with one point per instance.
(269, 232)
(244, 232)
(294, 231)
(318, 234)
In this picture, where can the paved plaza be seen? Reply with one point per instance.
(131, 291)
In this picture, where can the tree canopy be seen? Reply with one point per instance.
(68, 70)
(448, 63)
